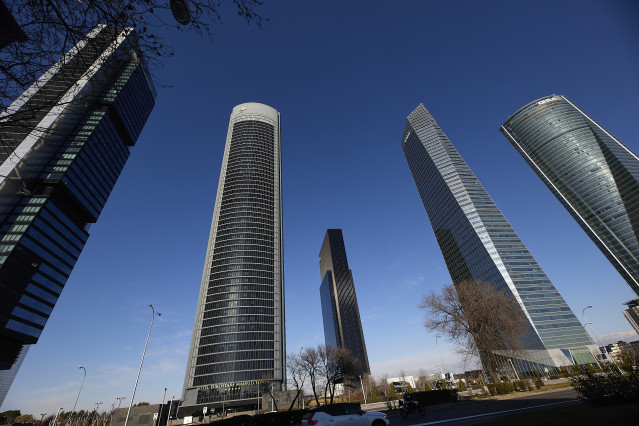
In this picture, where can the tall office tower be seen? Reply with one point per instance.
(478, 243)
(238, 344)
(342, 323)
(64, 144)
(632, 313)
(593, 175)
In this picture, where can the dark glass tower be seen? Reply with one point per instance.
(593, 175)
(478, 243)
(64, 144)
(238, 343)
(342, 323)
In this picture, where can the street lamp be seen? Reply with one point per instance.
(119, 398)
(42, 417)
(441, 367)
(78, 397)
(168, 417)
(55, 421)
(161, 406)
(126, 421)
(583, 313)
(363, 392)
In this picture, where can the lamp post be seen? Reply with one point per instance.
(78, 397)
(126, 420)
(42, 417)
(168, 417)
(55, 421)
(97, 414)
(119, 398)
(583, 313)
(441, 367)
(161, 406)
(363, 392)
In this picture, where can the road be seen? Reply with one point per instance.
(473, 412)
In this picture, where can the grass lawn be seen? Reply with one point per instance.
(620, 415)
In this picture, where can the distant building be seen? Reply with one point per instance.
(65, 141)
(238, 348)
(592, 174)
(401, 384)
(478, 243)
(342, 323)
(632, 314)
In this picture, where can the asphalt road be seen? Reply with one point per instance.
(473, 412)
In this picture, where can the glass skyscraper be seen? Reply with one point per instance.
(478, 243)
(342, 323)
(64, 144)
(238, 344)
(593, 175)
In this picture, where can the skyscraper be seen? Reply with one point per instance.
(593, 175)
(342, 323)
(238, 344)
(479, 244)
(64, 144)
(632, 313)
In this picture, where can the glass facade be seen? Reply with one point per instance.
(342, 323)
(593, 175)
(478, 243)
(64, 161)
(238, 343)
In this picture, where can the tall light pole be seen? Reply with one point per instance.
(161, 406)
(363, 392)
(583, 313)
(441, 367)
(168, 417)
(78, 397)
(126, 420)
(55, 421)
(119, 398)
(42, 417)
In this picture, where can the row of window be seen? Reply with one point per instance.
(238, 320)
(235, 328)
(234, 356)
(239, 311)
(238, 288)
(234, 366)
(232, 377)
(237, 346)
(239, 303)
(235, 337)
(240, 295)
(243, 280)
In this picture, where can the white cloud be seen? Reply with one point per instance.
(627, 336)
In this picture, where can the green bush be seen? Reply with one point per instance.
(374, 393)
(522, 385)
(539, 383)
(502, 388)
(435, 396)
(607, 389)
(427, 386)
(461, 385)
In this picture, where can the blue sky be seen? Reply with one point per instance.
(344, 76)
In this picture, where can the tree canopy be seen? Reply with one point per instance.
(478, 319)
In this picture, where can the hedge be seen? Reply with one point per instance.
(435, 396)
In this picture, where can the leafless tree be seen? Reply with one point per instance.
(478, 319)
(296, 374)
(55, 27)
(310, 362)
(337, 366)
(384, 385)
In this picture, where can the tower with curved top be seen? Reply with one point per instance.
(238, 344)
(591, 173)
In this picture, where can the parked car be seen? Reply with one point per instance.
(344, 414)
